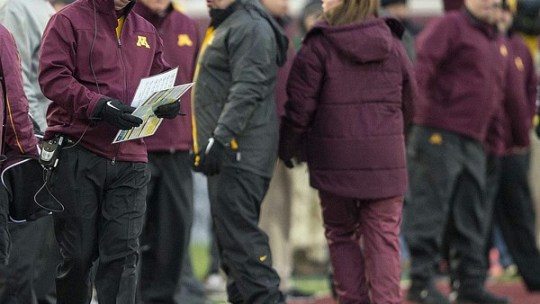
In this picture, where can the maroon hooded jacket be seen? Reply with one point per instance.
(82, 61)
(495, 142)
(19, 136)
(349, 90)
(456, 75)
(180, 48)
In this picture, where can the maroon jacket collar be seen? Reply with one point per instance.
(489, 29)
(106, 7)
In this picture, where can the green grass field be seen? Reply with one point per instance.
(311, 284)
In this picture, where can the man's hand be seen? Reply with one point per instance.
(116, 113)
(168, 111)
(211, 158)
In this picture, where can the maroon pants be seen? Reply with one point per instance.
(363, 237)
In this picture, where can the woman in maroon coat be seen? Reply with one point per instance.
(17, 135)
(349, 93)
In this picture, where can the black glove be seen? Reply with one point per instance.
(537, 130)
(211, 158)
(168, 111)
(116, 113)
(289, 148)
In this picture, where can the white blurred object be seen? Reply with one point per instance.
(94, 297)
(426, 7)
(215, 283)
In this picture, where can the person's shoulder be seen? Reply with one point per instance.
(243, 16)
(141, 24)
(457, 18)
(7, 43)
(16, 7)
(517, 42)
(75, 10)
(179, 16)
(248, 13)
(27, 5)
(316, 32)
(179, 13)
(4, 33)
(10, 4)
(452, 18)
(247, 21)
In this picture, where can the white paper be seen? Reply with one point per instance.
(150, 85)
(145, 111)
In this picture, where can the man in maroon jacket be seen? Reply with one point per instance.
(456, 72)
(93, 56)
(514, 212)
(169, 217)
(19, 133)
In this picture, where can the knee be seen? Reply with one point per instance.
(78, 266)
(339, 232)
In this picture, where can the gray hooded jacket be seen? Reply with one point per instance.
(26, 20)
(234, 93)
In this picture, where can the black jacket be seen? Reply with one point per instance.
(234, 93)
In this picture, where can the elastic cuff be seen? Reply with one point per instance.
(95, 107)
(223, 135)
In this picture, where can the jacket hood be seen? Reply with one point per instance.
(364, 42)
(281, 37)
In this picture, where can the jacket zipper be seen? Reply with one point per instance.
(120, 49)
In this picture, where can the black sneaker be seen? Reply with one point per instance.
(481, 296)
(427, 294)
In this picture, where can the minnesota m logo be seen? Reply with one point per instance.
(184, 40)
(141, 41)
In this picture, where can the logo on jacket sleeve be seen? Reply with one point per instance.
(142, 42)
(184, 40)
(436, 139)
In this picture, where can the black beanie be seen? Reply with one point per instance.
(390, 2)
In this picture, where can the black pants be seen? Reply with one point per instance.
(235, 201)
(515, 216)
(446, 193)
(104, 212)
(5, 238)
(46, 263)
(29, 276)
(17, 278)
(167, 229)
